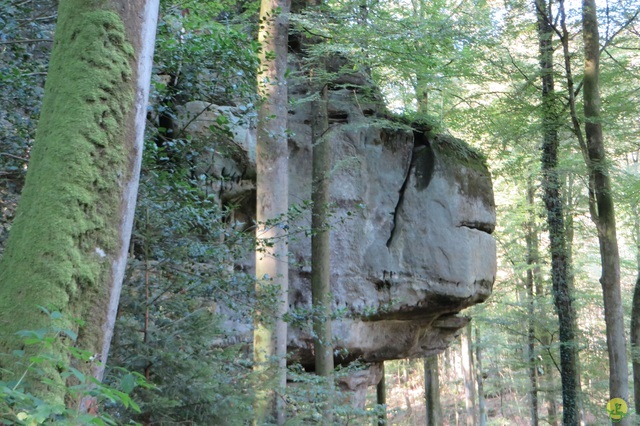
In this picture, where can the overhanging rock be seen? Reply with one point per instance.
(411, 236)
(415, 245)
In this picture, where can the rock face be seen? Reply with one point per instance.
(415, 247)
(411, 239)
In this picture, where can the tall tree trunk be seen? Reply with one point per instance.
(635, 319)
(68, 245)
(320, 250)
(467, 371)
(381, 397)
(422, 95)
(532, 262)
(549, 383)
(432, 391)
(563, 299)
(635, 309)
(482, 408)
(569, 238)
(272, 187)
(604, 216)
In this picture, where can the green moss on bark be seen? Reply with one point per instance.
(59, 249)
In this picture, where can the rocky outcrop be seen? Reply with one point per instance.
(411, 242)
(411, 236)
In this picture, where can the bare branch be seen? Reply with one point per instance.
(29, 40)
(6, 154)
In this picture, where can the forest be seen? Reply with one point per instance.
(329, 212)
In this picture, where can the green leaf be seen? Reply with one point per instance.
(128, 383)
(78, 374)
(222, 120)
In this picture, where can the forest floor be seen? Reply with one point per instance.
(405, 402)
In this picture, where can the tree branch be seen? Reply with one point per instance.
(29, 40)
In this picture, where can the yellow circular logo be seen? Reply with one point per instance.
(617, 409)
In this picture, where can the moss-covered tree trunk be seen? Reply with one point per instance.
(68, 245)
(272, 187)
(603, 214)
(562, 296)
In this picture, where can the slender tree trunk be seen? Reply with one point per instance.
(532, 262)
(604, 217)
(272, 268)
(467, 370)
(381, 398)
(422, 95)
(635, 325)
(550, 384)
(432, 391)
(320, 250)
(68, 245)
(569, 237)
(548, 368)
(563, 298)
(482, 408)
(635, 314)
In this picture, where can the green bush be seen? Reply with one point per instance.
(18, 406)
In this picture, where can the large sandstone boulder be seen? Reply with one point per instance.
(415, 247)
(411, 236)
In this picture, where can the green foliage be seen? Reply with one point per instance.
(18, 406)
(23, 67)
(186, 281)
(423, 47)
(182, 278)
(309, 394)
(70, 206)
(204, 59)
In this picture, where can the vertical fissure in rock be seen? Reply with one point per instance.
(418, 154)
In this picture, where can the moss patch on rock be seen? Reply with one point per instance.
(66, 226)
(459, 151)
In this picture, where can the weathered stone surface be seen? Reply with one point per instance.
(235, 130)
(355, 384)
(415, 248)
(411, 243)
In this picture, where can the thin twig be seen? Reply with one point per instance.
(41, 18)
(28, 40)
(6, 154)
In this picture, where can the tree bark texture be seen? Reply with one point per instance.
(482, 407)
(68, 245)
(605, 215)
(272, 267)
(563, 298)
(432, 391)
(320, 251)
(635, 318)
(467, 370)
(532, 262)
(381, 398)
